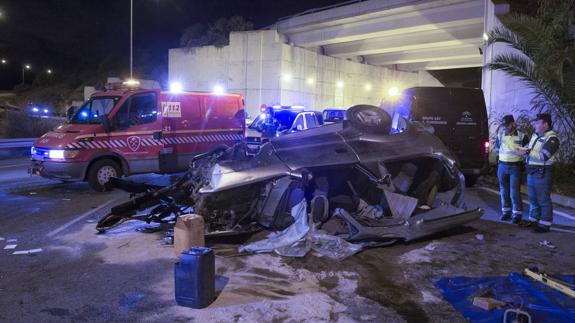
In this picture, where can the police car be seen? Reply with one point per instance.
(279, 120)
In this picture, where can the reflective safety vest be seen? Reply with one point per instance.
(537, 153)
(508, 143)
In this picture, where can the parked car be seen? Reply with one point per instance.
(338, 169)
(457, 116)
(131, 131)
(279, 120)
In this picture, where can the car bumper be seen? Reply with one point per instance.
(59, 170)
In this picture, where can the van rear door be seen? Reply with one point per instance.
(470, 128)
(459, 118)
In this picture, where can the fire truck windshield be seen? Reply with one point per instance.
(93, 110)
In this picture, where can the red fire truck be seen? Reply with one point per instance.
(131, 131)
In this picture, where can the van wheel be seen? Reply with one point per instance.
(100, 173)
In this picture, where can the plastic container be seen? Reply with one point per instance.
(188, 233)
(194, 278)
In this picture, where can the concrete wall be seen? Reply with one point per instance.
(265, 70)
(503, 94)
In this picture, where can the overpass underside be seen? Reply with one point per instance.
(408, 35)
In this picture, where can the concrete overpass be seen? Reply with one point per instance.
(409, 35)
(352, 52)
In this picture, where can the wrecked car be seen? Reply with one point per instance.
(369, 178)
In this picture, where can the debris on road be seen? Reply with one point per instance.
(27, 252)
(547, 244)
(10, 246)
(480, 237)
(378, 192)
(487, 303)
(278, 241)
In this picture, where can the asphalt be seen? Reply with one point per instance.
(127, 275)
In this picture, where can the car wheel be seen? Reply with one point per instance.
(369, 118)
(471, 180)
(100, 173)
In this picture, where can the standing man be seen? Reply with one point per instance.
(510, 166)
(540, 157)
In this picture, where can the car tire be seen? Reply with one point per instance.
(369, 119)
(100, 173)
(471, 180)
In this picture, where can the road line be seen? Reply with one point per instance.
(17, 165)
(78, 218)
(563, 214)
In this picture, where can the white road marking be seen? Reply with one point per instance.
(563, 214)
(27, 252)
(17, 165)
(78, 218)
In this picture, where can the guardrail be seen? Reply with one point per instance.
(17, 143)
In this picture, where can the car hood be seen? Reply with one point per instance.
(65, 134)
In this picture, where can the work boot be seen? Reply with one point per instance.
(516, 220)
(528, 224)
(505, 217)
(541, 228)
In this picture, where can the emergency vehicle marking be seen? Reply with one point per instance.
(114, 143)
(171, 110)
(134, 142)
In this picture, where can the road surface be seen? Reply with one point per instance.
(127, 275)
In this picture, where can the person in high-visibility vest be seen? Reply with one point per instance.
(540, 153)
(510, 168)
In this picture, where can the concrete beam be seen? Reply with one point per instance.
(462, 14)
(442, 65)
(347, 13)
(471, 35)
(425, 55)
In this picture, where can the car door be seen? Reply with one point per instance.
(135, 123)
(298, 123)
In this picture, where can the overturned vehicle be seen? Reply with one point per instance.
(370, 178)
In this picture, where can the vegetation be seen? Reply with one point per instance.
(215, 34)
(18, 124)
(545, 62)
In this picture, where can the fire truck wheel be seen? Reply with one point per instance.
(100, 173)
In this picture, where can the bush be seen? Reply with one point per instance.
(18, 124)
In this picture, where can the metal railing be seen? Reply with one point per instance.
(17, 143)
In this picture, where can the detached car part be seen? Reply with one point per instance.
(378, 182)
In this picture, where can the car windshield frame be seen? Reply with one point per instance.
(82, 116)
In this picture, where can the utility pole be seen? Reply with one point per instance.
(131, 38)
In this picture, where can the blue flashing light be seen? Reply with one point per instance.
(34, 109)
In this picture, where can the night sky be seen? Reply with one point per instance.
(72, 35)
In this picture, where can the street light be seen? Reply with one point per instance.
(48, 71)
(3, 61)
(24, 68)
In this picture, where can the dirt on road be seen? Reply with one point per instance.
(125, 275)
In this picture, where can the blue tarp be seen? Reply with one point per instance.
(543, 303)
